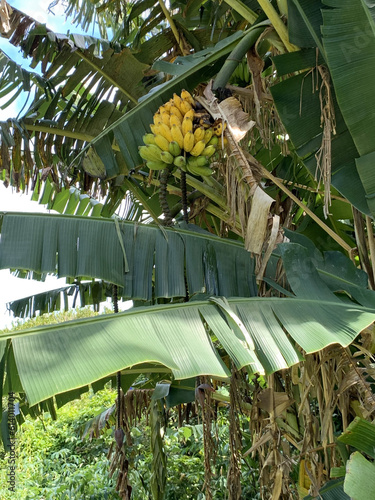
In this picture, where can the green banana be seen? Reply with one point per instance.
(199, 161)
(208, 151)
(149, 139)
(174, 148)
(214, 141)
(156, 165)
(180, 162)
(150, 152)
(166, 157)
(199, 166)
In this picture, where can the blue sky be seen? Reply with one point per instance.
(12, 288)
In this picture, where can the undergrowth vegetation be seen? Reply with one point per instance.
(55, 461)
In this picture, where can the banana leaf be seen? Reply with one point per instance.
(351, 45)
(128, 254)
(360, 477)
(309, 271)
(81, 294)
(56, 358)
(298, 105)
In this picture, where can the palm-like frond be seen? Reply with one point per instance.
(58, 358)
(76, 295)
(128, 254)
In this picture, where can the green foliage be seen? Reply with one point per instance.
(54, 462)
(51, 319)
(185, 462)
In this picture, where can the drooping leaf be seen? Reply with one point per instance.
(307, 267)
(175, 337)
(75, 246)
(352, 45)
(360, 477)
(83, 294)
(298, 105)
(361, 435)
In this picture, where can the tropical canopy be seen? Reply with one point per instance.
(254, 268)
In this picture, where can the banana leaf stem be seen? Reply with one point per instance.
(184, 197)
(371, 243)
(306, 209)
(172, 25)
(277, 23)
(243, 10)
(236, 56)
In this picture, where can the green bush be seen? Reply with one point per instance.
(55, 463)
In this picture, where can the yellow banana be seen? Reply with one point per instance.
(199, 134)
(219, 128)
(187, 97)
(153, 128)
(198, 148)
(187, 126)
(185, 107)
(167, 107)
(162, 142)
(188, 141)
(165, 131)
(166, 118)
(157, 119)
(177, 102)
(208, 134)
(190, 114)
(174, 120)
(177, 135)
(177, 112)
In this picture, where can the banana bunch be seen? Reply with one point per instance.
(180, 139)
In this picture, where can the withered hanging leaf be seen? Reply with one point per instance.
(237, 119)
(257, 222)
(5, 13)
(119, 437)
(93, 165)
(16, 150)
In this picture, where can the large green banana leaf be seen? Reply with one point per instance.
(350, 48)
(60, 358)
(344, 33)
(54, 359)
(298, 105)
(128, 254)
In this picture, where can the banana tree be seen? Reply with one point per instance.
(86, 122)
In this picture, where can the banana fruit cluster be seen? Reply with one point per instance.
(180, 139)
